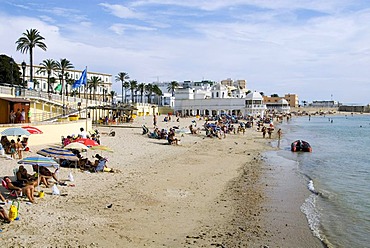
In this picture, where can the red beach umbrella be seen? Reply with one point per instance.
(32, 130)
(87, 142)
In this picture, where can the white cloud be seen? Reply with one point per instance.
(121, 11)
(314, 58)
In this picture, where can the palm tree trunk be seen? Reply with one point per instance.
(122, 91)
(31, 65)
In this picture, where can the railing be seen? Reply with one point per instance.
(71, 103)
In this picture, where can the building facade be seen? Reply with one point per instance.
(292, 99)
(40, 83)
(218, 99)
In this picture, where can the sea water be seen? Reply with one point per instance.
(337, 175)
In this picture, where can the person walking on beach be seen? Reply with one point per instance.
(155, 120)
(263, 131)
(279, 133)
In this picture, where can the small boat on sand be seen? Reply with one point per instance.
(301, 145)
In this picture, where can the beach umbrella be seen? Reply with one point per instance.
(101, 148)
(15, 131)
(58, 153)
(76, 146)
(87, 142)
(32, 130)
(39, 160)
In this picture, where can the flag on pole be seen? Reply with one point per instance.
(58, 88)
(81, 81)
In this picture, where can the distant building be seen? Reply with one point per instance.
(212, 99)
(281, 106)
(324, 104)
(292, 99)
(355, 108)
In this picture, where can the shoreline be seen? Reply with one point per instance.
(203, 192)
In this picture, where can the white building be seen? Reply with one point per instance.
(281, 106)
(217, 100)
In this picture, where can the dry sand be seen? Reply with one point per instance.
(202, 193)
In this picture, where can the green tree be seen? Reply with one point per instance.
(48, 66)
(133, 86)
(94, 82)
(9, 68)
(274, 95)
(112, 94)
(141, 89)
(149, 91)
(157, 91)
(36, 83)
(172, 87)
(62, 66)
(30, 39)
(122, 77)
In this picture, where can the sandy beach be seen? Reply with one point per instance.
(203, 193)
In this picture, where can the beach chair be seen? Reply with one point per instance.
(145, 129)
(12, 192)
(101, 165)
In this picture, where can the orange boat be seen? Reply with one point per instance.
(301, 145)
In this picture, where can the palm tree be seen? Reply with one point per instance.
(157, 91)
(94, 83)
(149, 91)
(30, 39)
(48, 65)
(62, 66)
(36, 83)
(133, 86)
(122, 77)
(172, 87)
(141, 89)
(69, 81)
(112, 94)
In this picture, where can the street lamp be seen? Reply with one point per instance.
(61, 91)
(24, 73)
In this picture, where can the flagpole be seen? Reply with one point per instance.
(86, 100)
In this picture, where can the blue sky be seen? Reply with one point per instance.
(319, 50)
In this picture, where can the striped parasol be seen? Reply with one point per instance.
(39, 160)
(58, 153)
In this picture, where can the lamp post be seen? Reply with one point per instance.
(24, 73)
(61, 91)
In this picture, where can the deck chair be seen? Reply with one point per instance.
(101, 165)
(12, 192)
(145, 129)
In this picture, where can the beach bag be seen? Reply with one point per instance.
(13, 211)
(55, 190)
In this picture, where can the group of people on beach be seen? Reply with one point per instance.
(13, 147)
(217, 127)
